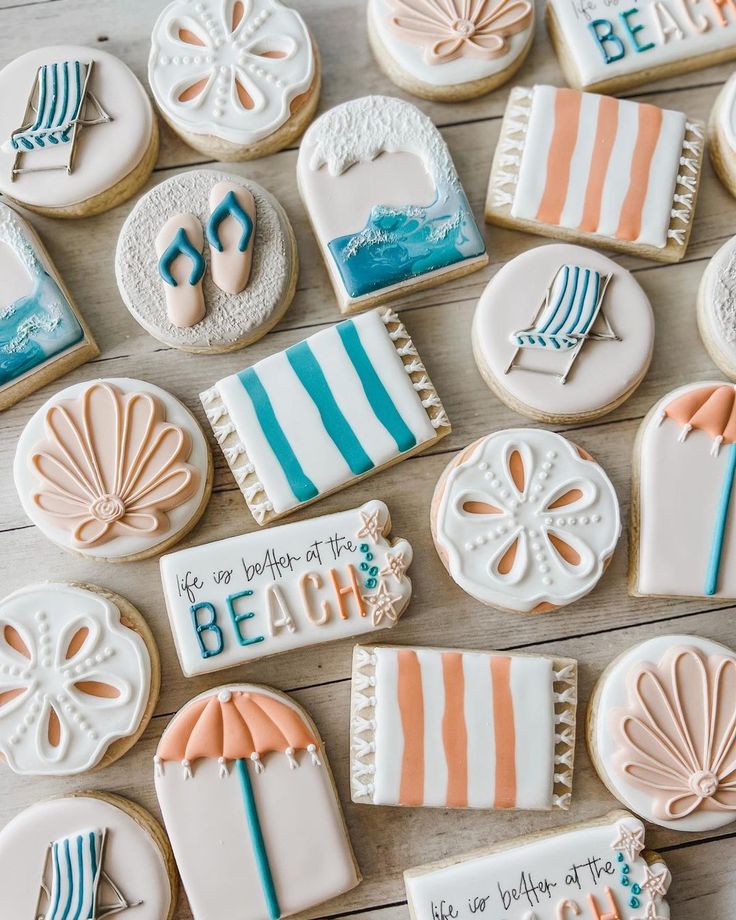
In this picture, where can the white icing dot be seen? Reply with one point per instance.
(164, 60)
(217, 112)
(22, 729)
(93, 736)
(552, 454)
(488, 476)
(28, 718)
(175, 60)
(108, 651)
(540, 557)
(504, 493)
(513, 503)
(543, 568)
(546, 466)
(543, 475)
(469, 546)
(546, 580)
(40, 616)
(596, 518)
(533, 534)
(12, 739)
(584, 519)
(482, 465)
(479, 541)
(224, 696)
(560, 522)
(223, 69)
(536, 546)
(500, 530)
(99, 658)
(218, 43)
(186, 59)
(197, 59)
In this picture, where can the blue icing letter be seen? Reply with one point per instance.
(208, 626)
(634, 29)
(238, 618)
(607, 37)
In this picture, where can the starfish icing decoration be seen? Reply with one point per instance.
(651, 913)
(372, 527)
(395, 565)
(655, 885)
(382, 604)
(629, 842)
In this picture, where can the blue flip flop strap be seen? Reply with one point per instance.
(181, 246)
(229, 206)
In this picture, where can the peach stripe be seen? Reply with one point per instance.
(454, 731)
(504, 733)
(559, 156)
(605, 136)
(411, 708)
(650, 125)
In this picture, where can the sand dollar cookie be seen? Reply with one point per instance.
(524, 520)
(662, 733)
(77, 131)
(563, 334)
(207, 262)
(717, 307)
(722, 135)
(115, 469)
(236, 79)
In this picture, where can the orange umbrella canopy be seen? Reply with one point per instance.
(710, 408)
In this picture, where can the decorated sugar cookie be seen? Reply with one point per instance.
(662, 732)
(236, 79)
(207, 262)
(592, 169)
(250, 806)
(89, 855)
(563, 334)
(598, 870)
(450, 50)
(512, 740)
(385, 202)
(722, 134)
(680, 536)
(78, 134)
(524, 520)
(113, 469)
(717, 308)
(339, 406)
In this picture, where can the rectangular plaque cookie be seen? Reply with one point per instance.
(462, 729)
(593, 169)
(339, 406)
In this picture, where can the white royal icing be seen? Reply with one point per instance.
(717, 299)
(727, 113)
(476, 542)
(235, 41)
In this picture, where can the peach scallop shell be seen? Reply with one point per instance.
(111, 465)
(677, 736)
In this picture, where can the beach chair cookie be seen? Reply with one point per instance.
(722, 135)
(592, 169)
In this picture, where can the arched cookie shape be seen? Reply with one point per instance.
(722, 133)
(250, 806)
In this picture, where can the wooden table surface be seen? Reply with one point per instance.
(594, 630)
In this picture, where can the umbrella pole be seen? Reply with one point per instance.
(256, 837)
(714, 564)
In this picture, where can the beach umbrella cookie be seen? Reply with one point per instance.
(524, 520)
(585, 168)
(717, 308)
(449, 50)
(235, 79)
(680, 537)
(722, 134)
(250, 806)
(207, 262)
(385, 202)
(78, 134)
(88, 855)
(662, 732)
(563, 334)
(116, 470)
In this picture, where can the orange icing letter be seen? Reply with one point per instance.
(612, 914)
(719, 6)
(341, 592)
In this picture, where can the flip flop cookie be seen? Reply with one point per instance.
(231, 235)
(181, 265)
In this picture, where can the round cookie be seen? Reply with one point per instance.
(243, 292)
(722, 135)
(525, 521)
(562, 334)
(234, 80)
(717, 308)
(78, 134)
(81, 680)
(661, 731)
(447, 51)
(91, 850)
(115, 470)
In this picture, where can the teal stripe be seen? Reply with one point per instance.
(64, 94)
(375, 392)
(93, 853)
(256, 838)
(81, 879)
(300, 484)
(70, 880)
(714, 564)
(312, 378)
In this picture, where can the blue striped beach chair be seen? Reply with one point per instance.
(565, 320)
(56, 110)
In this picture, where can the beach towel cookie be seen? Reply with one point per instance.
(207, 262)
(562, 334)
(525, 521)
(89, 854)
(717, 308)
(585, 168)
(680, 536)
(722, 134)
(596, 870)
(446, 728)
(250, 806)
(661, 731)
(341, 405)
(42, 333)
(449, 50)
(115, 470)
(235, 79)
(385, 202)
(78, 134)
(80, 678)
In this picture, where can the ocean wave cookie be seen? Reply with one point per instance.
(585, 168)
(91, 855)
(525, 521)
(116, 470)
(449, 50)
(717, 308)
(207, 262)
(235, 79)
(563, 334)
(662, 732)
(250, 806)
(385, 202)
(722, 134)
(80, 678)
(78, 134)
